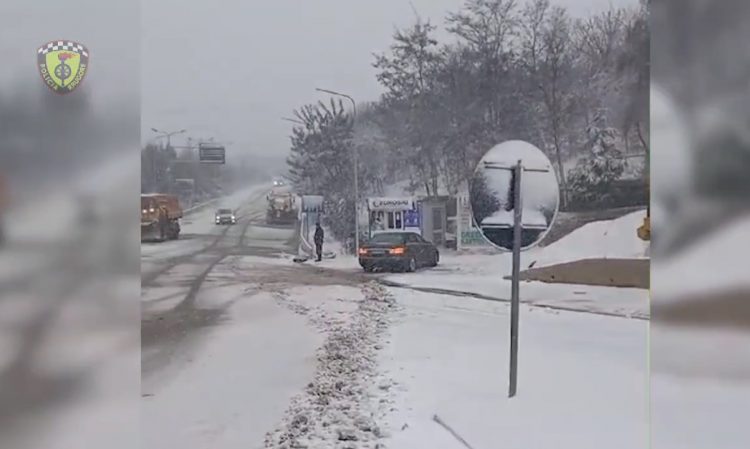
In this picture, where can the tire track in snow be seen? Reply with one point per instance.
(168, 330)
(440, 291)
(148, 279)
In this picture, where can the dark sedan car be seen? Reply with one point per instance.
(406, 251)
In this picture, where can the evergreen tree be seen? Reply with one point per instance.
(592, 178)
(484, 201)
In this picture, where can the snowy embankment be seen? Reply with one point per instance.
(609, 239)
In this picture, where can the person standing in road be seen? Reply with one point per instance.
(319, 236)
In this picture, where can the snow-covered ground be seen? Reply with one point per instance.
(485, 274)
(583, 379)
(596, 299)
(318, 357)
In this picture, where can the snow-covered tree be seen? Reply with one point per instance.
(510, 71)
(594, 174)
(321, 161)
(484, 201)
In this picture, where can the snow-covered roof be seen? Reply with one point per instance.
(531, 218)
(508, 153)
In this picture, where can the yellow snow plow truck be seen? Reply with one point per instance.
(160, 217)
(281, 209)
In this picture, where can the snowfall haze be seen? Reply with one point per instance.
(233, 70)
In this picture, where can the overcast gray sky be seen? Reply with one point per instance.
(232, 69)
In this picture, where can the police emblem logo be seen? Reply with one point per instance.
(63, 65)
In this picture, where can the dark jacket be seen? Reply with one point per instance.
(319, 235)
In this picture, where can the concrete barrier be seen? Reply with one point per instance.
(632, 273)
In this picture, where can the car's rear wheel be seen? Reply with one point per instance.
(411, 265)
(436, 259)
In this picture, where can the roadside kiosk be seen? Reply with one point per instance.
(393, 215)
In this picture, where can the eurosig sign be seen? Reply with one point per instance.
(391, 204)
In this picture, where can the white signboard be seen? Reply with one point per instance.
(390, 204)
(468, 234)
(312, 203)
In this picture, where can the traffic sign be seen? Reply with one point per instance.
(514, 198)
(493, 200)
(211, 154)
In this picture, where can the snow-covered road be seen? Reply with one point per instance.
(242, 348)
(221, 359)
(234, 385)
(199, 230)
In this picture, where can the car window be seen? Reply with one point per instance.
(393, 238)
(412, 238)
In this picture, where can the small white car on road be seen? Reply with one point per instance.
(225, 216)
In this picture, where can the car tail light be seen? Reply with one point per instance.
(363, 251)
(397, 250)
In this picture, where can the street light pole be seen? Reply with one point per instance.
(356, 166)
(168, 135)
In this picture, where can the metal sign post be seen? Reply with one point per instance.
(517, 246)
(492, 198)
(515, 300)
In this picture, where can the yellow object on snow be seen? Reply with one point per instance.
(644, 231)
